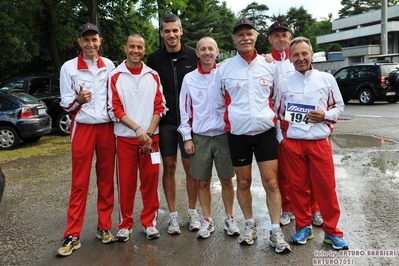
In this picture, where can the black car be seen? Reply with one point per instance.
(367, 82)
(22, 117)
(47, 88)
(2, 183)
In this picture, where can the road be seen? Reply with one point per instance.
(366, 154)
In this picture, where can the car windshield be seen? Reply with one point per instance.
(386, 69)
(16, 84)
(25, 98)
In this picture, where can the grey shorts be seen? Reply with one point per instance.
(209, 151)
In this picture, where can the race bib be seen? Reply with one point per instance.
(296, 113)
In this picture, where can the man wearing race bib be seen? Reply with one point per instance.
(279, 36)
(307, 104)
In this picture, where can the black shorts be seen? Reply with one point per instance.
(243, 147)
(169, 138)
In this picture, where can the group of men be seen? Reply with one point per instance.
(215, 116)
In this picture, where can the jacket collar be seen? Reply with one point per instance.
(83, 66)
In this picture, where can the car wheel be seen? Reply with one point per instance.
(31, 140)
(9, 138)
(63, 123)
(366, 96)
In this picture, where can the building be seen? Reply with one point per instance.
(360, 37)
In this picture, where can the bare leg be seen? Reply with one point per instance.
(268, 172)
(204, 194)
(191, 185)
(244, 196)
(169, 181)
(228, 195)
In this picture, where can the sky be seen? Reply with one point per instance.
(317, 8)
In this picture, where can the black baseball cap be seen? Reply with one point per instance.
(278, 26)
(88, 27)
(243, 22)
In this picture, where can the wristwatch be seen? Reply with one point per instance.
(151, 135)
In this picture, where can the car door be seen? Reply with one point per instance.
(344, 77)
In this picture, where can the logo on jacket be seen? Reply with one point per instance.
(238, 86)
(263, 82)
(200, 93)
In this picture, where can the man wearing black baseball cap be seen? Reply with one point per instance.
(244, 84)
(243, 22)
(88, 27)
(84, 90)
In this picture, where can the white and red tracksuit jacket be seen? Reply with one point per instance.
(126, 98)
(197, 109)
(316, 83)
(242, 95)
(76, 72)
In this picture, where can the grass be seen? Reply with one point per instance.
(51, 144)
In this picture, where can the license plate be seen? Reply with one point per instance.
(42, 111)
(391, 93)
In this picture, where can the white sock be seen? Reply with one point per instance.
(192, 211)
(173, 214)
(275, 226)
(250, 220)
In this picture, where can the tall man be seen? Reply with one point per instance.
(172, 62)
(137, 105)
(307, 104)
(205, 138)
(84, 86)
(245, 83)
(279, 36)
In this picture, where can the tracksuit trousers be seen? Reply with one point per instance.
(131, 160)
(87, 139)
(310, 162)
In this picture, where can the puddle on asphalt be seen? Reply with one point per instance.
(358, 141)
(386, 161)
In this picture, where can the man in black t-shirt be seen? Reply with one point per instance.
(172, 62)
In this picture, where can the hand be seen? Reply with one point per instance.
(144, 138)
(189, 147)
(268, 58)
(316, 116)
(83, 96)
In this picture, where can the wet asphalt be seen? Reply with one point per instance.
(367, 174)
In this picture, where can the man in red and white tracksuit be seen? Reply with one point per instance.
(84, 88)
(307, 103)
(137, 104)
(279, 36)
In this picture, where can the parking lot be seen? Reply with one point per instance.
(33, 210)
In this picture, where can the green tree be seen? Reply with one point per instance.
(355, 7)
(208, 18)
(299, 20)
(318, 28)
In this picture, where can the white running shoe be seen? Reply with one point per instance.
(317, 220)
(286, 217)
(194, 222)
(250, 233)
(230, 226)
(151, 232)
(173, 227)
(123, 235)
(206, 229)
(277, 241)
